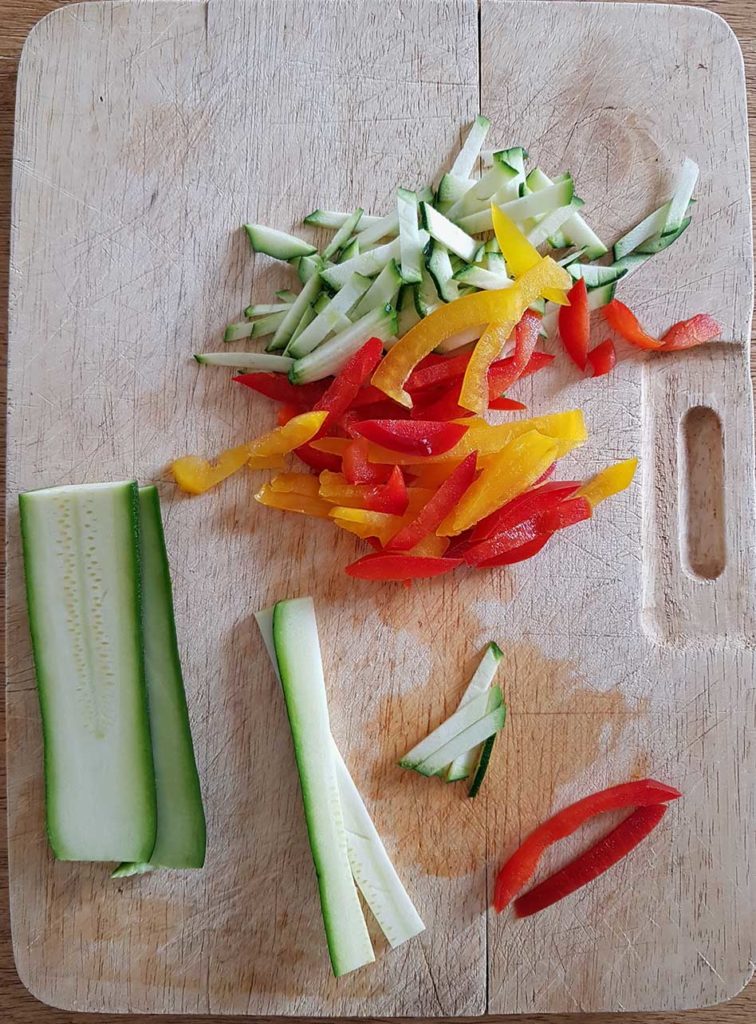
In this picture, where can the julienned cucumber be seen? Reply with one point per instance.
(470, 737)
(466, 715)
(297, 647)
(481, 681)
(482, 767)
(180, 839)
(81, 561)
(278, 244)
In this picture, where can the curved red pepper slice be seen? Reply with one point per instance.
(446, 406)
(525, 505)
(519, 554)
(627, 325)
(278, 387)
(575, 324)
(400, 567)
(451, 369)
(526, 339)
(437, 508)
(520, 867)
(548, 520)
(602, 358)
(391, 497)
(356, 467)
(594, 862)
(318, 460)
(344, 388)
(687, 333)
(500, 372)
(411, 437)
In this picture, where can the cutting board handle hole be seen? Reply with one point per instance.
(702, 499)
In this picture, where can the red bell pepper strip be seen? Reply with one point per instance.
(287, 412)
(446, 406)
(450, 369)
(575, 324)
(546, 520)
(437, 509)
(526, 339)
(400, 567)
(519, 554)
(524, 506)
(386, 409)
(356, 467)
(344, 388)
(594, 862)
(520, 867)
(391, 497)
(500, 372)
(369, 395)
(278, 387)
(688, 333)
(503, 404)
(626, 324)
(602, 358)
(546, 476)
(318, 460)
(411, 437)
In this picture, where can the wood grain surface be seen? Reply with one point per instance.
(458, 977)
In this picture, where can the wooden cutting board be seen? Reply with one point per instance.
(146, 133)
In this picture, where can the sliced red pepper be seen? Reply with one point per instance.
(524, 506)
(687, 333)
(383, 410)
(400, 567)
(602, 358)
(450, 369)
(506, 405)
(369, 395)
(437, 509)
(500, 372)
(519, 554)
(627, 325)
(445, 406)
(278, 387)
(346, 385)
(356, 467)
(412, 437)
(391, 497)
(526, 339)
(318, 460)
(546, 476)
(287, 412)
(575, 324)
(547, 520)
(594, 862)
(520, 867)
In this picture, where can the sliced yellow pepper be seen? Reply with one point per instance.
(512, 471)
(295, 483)
(196, 475)
(293, 501)
(505, 305)
(566, 428)
(609, 481)
(520, 255)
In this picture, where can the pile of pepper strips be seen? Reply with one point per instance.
(404, 457)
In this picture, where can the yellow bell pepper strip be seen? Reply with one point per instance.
(381, 525)
(292, 501)
(505, 305)
(515, 468)
(520, 255)
(476, 389)
(295, 483)
(608, 482)
(196, 475)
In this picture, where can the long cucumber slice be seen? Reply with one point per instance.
(439, 266)
(407, 314)
(257, 361)
(549, 226)
(575, 230)
(297, 647)
(478, 196)
(453, 237)
(681, 196)
(469, 738)
(81, 561)
(594, 275)
(481, 278)
(343, 235)
(481, 681)
(288, 325)
(476, 708)
(383, 227)
(278, 244)
(267, 324)
(329, 357)
(470, 151)
(519, 210)
(410, 249)
(482, 767)
(350, 250)
(285, 295)
(334, 219)
(331, 318)
(367, 264)
(384, 289)
(180, 841)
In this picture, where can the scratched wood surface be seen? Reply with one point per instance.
(186, 123)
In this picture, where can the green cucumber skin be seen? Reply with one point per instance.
(483, 763)
(181, 829)
(60, 846)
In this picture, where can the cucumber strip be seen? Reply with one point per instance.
(407, 314)
(333, 219)
(349, 251)
(494, 262)
(329, 357)
(485, 759)
(180, 841)
(266, 308)
(647, 228)
(461, 339)
(470, 151)
(465, 715)
(278, 244)
(321, 302)
(367, 263)
(575, 231)
(333, 318)
(595, 275)
(492, 246)
(550, 224)
(371, 866)
(425, 295)
(295, 637)
(307, 317)
(481, 681)
(682, 195)
(343, 235)
(481, 278)
(453, 237)
(642, 254)
(383, 290)
(570, 258)
(308, 267)
(288, 325)
(285, 295)
(597, 297)
(384, 227)
(450, 189)
(235, 332)
(268, 324)
(410, 249)
(479, 195)
(81, 562)
(519, 210)
(257, 361)
(471, 737)
(440, 269)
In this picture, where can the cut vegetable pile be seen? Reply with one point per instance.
(346, 847)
